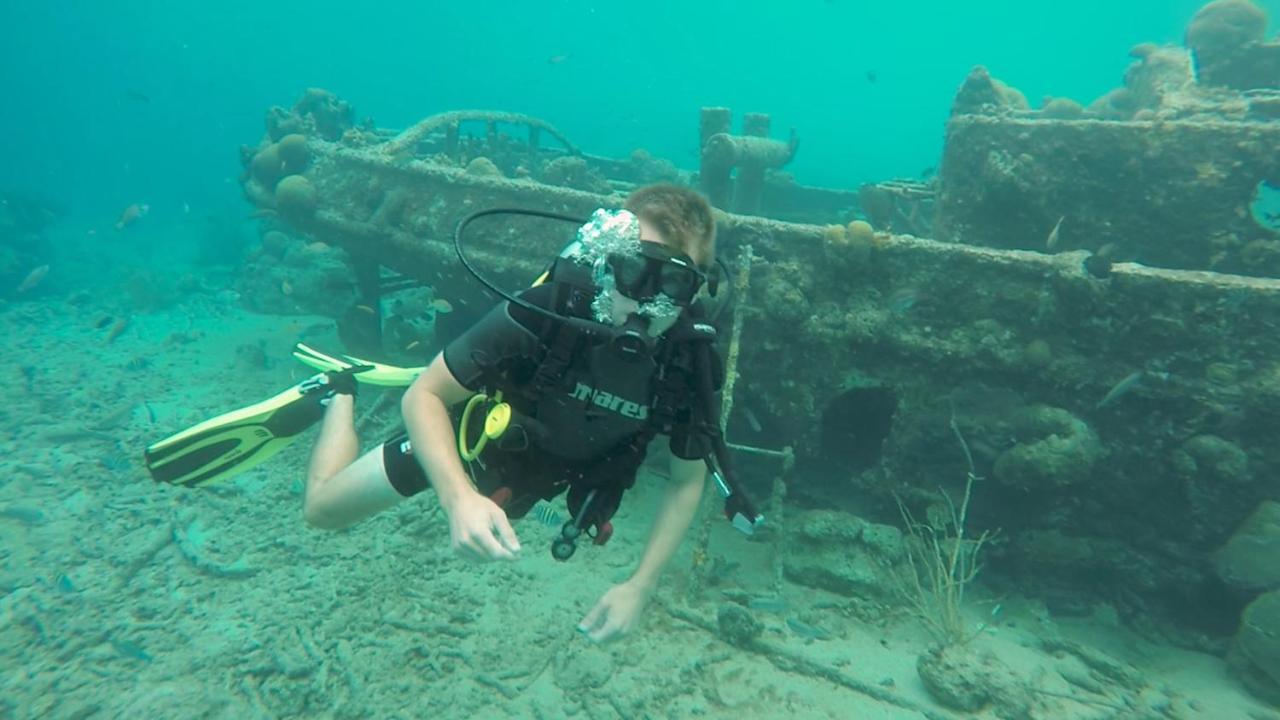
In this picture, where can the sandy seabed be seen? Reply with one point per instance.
(121, 598)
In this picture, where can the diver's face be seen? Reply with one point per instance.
(623, 306)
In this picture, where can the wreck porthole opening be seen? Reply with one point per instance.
(855, 425)
(1265, 207)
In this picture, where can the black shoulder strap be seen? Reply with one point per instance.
(678, 369)
(560, 342)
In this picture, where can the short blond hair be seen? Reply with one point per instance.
(683, 216)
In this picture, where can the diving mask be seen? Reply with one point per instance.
(656, 270)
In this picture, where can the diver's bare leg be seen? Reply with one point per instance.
(341, 488)
(337, 445)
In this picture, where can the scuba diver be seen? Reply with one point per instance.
(563, 386)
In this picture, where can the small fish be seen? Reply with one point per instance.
(102, 322)
(544, 513)
(286, 288)
(151, 412)
(262, 214)
(131, 650)
(366, 309)
(902, 300)
(441, 306)
(66, 584)
(186, 208)
(1121, 388)
(1052, 241)
(557, 59)
(131, 215)
(117, 329)
(25, 514)
(33, 279)
(411, 345)
(872, 77)
(767, 603)
(115, 463)
(807, 631)
(752, 420)
(137, 96)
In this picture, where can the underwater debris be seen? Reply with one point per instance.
(1098, 266)
(737, 625)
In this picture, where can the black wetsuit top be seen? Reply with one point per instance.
(588, 429)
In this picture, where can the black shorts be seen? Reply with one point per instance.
(537, 480)
(402, 467)
(515, 480)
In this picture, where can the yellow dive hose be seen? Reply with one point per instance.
(495, 423)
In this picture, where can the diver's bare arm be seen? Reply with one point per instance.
(425, 408)
(679, 505)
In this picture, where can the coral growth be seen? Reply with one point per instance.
(860, 231)
(1250, 561)
(319, 112)
(1061, 109)
(292, 152)
(1223, 26)
(843, 554)
(574, 172)
(295, 197)
(649, 169)
(483, 167)
(1055, 449)
(1227, 37)
(1255, 655)
(267, 167)
(984, 95)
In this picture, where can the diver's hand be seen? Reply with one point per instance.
(480, 531)
(617, 612)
